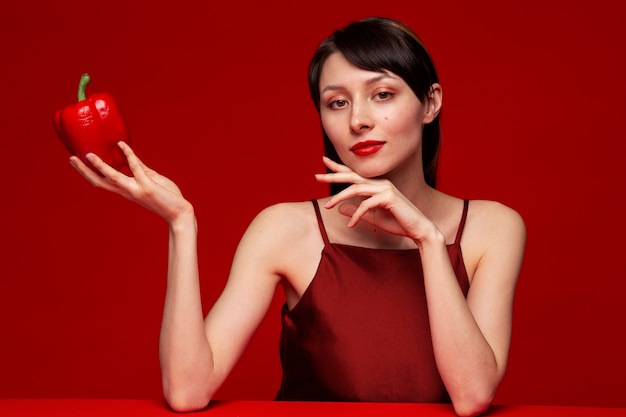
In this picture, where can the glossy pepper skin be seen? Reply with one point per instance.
(94, 124)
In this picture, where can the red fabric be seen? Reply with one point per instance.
(360, 332)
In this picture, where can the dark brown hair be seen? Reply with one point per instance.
(382, 44)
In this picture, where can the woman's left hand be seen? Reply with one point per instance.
(383, 205)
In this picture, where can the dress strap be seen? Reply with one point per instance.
(459, 232)
(320, 222)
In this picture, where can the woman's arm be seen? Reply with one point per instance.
(471, 336)
(184, 351)
(197, 354)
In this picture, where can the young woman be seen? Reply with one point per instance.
(381, 302)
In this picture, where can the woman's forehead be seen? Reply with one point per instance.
(338, 72)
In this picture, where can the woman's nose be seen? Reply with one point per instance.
(360, 118)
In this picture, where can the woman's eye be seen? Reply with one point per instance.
(384, 95)
(338, 104)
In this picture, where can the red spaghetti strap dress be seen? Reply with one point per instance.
(360, 331)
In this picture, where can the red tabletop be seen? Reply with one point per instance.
(138, 408)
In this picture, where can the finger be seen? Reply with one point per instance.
(347, 209)
(95, 179)
(335, 166)
(89, 174)
(101, 166)
(365, 210)
(365, 189)
(113, 180)
(137, 167)
(130, 154)
(343, 177)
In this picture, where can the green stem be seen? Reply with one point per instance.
(82, 85)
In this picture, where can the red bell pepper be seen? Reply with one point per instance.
(95, 124)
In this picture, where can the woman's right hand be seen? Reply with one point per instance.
(146, 187)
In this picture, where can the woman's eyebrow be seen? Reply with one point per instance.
(370, 81)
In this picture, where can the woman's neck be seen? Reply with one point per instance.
(411, 183)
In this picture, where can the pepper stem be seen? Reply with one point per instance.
(82, 85)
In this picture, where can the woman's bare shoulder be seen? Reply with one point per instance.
(495, 215)
(493, 227)
(286, 214)
(284, 239)
(284, 223)
(495, 235)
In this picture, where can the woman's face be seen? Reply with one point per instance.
(374, 120)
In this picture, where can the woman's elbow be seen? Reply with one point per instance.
(184, 400)
(471, 408)
(474, 403)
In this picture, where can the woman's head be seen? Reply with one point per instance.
(380, 44)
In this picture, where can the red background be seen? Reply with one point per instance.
(216, 98)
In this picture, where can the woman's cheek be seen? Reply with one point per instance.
(331, 129)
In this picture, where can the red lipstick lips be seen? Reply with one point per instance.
(367, 147)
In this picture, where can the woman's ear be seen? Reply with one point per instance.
(433, 103)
